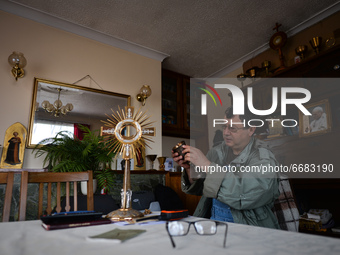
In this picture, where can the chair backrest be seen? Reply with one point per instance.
(7, 178)
(58, 178)
(285, 207)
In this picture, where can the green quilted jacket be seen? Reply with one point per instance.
(250, 194)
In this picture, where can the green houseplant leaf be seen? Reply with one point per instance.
(63, 153)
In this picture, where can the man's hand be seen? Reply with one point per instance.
(180, 160)
(193, 155)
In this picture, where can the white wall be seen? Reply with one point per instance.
(57, 55)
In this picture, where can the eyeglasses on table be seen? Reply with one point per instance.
(202, 227)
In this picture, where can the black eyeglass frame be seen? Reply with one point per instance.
(234, 129)
(193, 223)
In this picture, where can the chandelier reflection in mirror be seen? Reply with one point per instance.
(57, 108)
(124, 132)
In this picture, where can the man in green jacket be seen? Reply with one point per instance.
(235, 178)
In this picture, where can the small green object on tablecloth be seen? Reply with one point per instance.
(118, 235)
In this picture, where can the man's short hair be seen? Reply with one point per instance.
(248, 115)
(318, 109)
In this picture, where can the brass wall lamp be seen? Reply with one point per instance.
(18, 62)
(144, 93)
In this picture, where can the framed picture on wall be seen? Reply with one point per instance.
(317, 123)
(14, 147)
(139, 159)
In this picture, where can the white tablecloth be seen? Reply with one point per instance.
(29, 237)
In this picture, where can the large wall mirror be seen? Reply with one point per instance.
(58, 106)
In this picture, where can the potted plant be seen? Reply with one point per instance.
(65, 153)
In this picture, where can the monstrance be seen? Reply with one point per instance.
(124, 132)
(277, 41)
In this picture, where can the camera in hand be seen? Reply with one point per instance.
(179, 149)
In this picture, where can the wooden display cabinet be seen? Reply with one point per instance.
(320, 192)
(172, 102)
(180, 111)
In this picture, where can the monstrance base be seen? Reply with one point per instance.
(124, 214)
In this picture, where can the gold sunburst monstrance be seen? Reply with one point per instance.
(124, 132)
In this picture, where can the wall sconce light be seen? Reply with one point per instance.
(18, 62)
(144, 93)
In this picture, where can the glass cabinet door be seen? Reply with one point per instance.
(171, 103)
(187, 108)
(181, 109)
(193, 120)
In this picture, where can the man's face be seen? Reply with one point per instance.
(316, 114)
(238, 138)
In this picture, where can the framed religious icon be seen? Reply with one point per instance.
(317, 123)
(139, 158)
(14, 147)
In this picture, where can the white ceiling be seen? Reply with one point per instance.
(199, 38)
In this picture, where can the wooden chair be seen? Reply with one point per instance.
(7, 178)
(285, 208)
(58, 178)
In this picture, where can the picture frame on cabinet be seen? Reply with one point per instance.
(317, 123)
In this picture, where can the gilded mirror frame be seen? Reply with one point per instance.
(85, 99)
